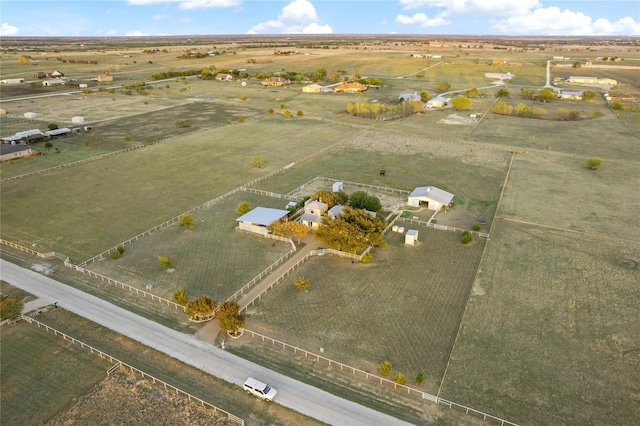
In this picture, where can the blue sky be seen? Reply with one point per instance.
(194, 17)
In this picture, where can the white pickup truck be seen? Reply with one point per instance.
(259, 389)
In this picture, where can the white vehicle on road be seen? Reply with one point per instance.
(259, 389)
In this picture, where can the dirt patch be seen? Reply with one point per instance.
(124, 399)
(459, 120)
(43, 268)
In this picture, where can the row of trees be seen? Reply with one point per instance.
(205, 308)
(384, 111)
(520, 110)
(352, 231)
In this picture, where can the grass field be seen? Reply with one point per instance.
(550, 335)
(169, 178)
(212, 259)
(416, 312)
(41, 374)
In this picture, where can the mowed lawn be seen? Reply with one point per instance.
(83, 210)
(42, 374)
(212, 259)
(551, 331)
(388, 310)
(563, 192)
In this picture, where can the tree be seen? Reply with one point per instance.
(472, 93)
(52, 126)
(258, 161)
(443, 86)
(300, 114)
(165, 261)
(287, 114)
(545, 95)
(576, 65)
(202, 308)
(180, 297)
(186, 220)
(352, 231)
(362, 200)
(399, 378)
(589, 95)
(461, 104)
(127, 138)
(419, 379)
(331, 198)
(527, 92)
(183, 122)
(466, 237)
(503, 92)
(243, 207)
(229, 317)
(385, 368)
(240, 119)
(24, 59)
(270, 111)
(424, 96)
(10, 308)
(117, 252)
(594, 162)
(298, 230)
(301, 283)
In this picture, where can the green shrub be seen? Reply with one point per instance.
(476, 226)
(180, 297)
(594, 162)
(165, 261)
(385, 368)
(301, 283)
(420, 379)
(367, 258)
(48, 145)
(466, 237)
(115, 254)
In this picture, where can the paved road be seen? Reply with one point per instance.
(186, 348)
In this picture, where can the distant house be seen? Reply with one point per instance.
(224, 77)
(258, 219)
(276, 81)
(24, 137)
(565, 94)
(406, 97)
(56, 133)
(11, 152)
(104, 78)
(312, 88)
(313, 211)
(438, 102)
(579, 79)
(353, 87)
(48, 74)
(430, 197)
(12, 81)
(54, 82)
(417, 56)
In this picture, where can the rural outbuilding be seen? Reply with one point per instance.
(312, 88)
(430, 197)
(31, 115)
(259, 218)
(438, 102)
(411, 237)
(77, 119)
(11, 152)
(337, 186)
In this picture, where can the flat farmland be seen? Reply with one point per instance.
(562, 192)
(64, 372)
(211, 259)
(603, 136)
(161, 181)
(364, 314)
(550, 335)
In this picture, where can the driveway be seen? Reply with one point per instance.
(186, 348)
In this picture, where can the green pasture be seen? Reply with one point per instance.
(211, 259)
(550, 333)
(563, 192)
(364, 314)
(603, 136)
(42, 374)
(85, 209)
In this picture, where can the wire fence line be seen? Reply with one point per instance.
(120, 364)
(430, 224)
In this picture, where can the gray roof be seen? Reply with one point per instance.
(6, 148)
(263, 216)
(432, 193)
(410, 97)
(308, 217)
(56, 132)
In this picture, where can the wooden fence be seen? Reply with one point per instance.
(348, 183)
(476, 413)
(120, 364)
(27, 250)
(442, 227)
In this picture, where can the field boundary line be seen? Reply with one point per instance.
(369, 376)
(119, 363)
(558, 228)
(475, 277)
(437, 226)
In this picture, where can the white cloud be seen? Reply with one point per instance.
(136, 34)
(112, 32)
(158, 17)
(553, 21)
(474, 7)
(299, 16)
(422, 20)
(185, 20)
(190, 4)
(7, 30)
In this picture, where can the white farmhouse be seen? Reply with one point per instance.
(430, 197)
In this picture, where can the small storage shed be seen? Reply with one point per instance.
(337, 186)
(411, 237)
(259, 218)
(31, 115)
(77, 119)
